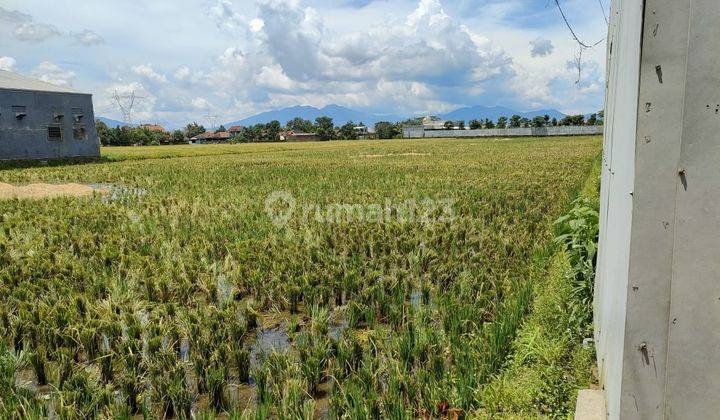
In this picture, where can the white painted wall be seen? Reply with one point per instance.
(657, 304)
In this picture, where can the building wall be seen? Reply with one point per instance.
(618, 172)
(657, 292)
(28, 138)
(418, 132)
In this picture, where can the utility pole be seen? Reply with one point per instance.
(126, 103)
(213, 121)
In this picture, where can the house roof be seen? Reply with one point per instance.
(236, 128)
(211, 136)
(294, 134)
(14, 81)
(153, 127)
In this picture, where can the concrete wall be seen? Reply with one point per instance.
(418, 132)
(27, 138)
(657, 292)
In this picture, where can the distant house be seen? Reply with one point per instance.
(362, 132)
(236, 130)
(433, 123)
(155, 128)
(297, 136)
(211, 137)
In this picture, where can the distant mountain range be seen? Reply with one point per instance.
(341, 115)
(113, 123)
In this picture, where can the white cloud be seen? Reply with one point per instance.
(35, 32)
(146, 70)
(389, 57)
(7, 63)
(88, 37)
(540, 47)
(201, 103)
(22, 27)
(182, 73)
(52, 73)
(256, 25)
(225, 17)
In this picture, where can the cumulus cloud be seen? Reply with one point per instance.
(52, 73)
(182, 74)
(292, 35)
(201, 103)
(88, 37)
(146, 71)
(541, 47)
(22, 27)
(7, 63)
(225, 17)
(283, 53)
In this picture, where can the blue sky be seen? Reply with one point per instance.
(235, 58)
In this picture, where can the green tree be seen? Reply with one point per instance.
(460, 124)
(221, 128)
(387, 130)
(592, 120)
(300, 125)
(347, 131)
(538, 122)
(502, 122)
(194, 129)
(515, 121)
(489, 123)
(272, 130)
(475, 124)
(554, 122)
(524, 122)
(324, 128)
(177, 137)
(102, 131)
(449, 125)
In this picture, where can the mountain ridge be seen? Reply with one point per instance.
(341, 115)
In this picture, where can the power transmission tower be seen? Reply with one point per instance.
(213, 121)
(126, 103)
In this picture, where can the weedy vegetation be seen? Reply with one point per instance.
(188, 301)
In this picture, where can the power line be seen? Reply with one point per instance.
(602, 7)
(574, 35)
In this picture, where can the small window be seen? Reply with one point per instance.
(79, 132)
(78, 114)
(54, 133)
(19, 111)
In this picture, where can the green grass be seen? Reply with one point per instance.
(104, 294)
(548, 363)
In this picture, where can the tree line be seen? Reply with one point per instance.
(142, 136)
(516, 121)
(323, 128)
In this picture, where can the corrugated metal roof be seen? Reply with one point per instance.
(10, 80)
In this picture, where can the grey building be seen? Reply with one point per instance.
(39, 120)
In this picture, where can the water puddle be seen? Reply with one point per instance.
(268, 341)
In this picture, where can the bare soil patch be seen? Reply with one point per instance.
(397, 154)
(39, 191)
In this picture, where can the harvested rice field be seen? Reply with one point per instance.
(359, 279)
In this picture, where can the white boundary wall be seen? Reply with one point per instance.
(657, 292)
(585, 130)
